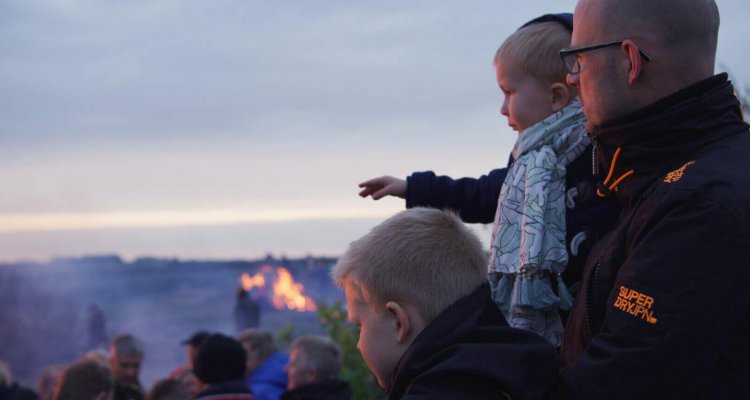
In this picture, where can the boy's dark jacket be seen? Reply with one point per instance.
(469, 352)
(475, 200)
(664, 311)
(334, 389)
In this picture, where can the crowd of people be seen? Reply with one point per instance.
(218, 367)
(624, 281)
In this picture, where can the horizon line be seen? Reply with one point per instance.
(57, 222)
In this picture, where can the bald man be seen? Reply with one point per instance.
(664, 308)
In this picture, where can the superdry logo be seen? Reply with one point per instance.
(636, 304)
(676, 175)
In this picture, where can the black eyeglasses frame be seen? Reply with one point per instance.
(574, 68)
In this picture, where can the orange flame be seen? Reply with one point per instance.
(286, 292)
(249, 282)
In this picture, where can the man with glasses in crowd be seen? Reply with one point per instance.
(664, 310)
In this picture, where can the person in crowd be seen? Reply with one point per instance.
(313, 370)
(265, 364)
(98, 355)
(10, 390)
(246, 311)
(169, 389)
(416, 286)
(663, 312)
(125, 358)
(187, 378)
(193, 343)
(86, 380)
(49, 380)
(220, 365)
(184, 373)
(543, 206)
(97, 328)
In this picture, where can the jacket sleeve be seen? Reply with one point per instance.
(679, 299)
(475, 200)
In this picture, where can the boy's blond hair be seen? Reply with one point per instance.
(423, 257)
(536, 49)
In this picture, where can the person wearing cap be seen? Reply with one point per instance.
(545, 214)
(184, 373)
(193, 343)
(220, 365)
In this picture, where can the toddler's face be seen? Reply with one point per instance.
(527, 101)
(378, 334)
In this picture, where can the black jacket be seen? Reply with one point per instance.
(664, 311)
(323, 390)
(475, 200)
(469, 352)
(231, 390)
(128, 392)
(15, 392)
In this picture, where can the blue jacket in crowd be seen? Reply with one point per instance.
(268, 381)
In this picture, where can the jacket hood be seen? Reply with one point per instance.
(469, 349)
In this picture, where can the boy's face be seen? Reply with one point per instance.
(378, 334)
(527, 101)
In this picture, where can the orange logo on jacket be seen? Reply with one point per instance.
(676, 175)
(636, 304)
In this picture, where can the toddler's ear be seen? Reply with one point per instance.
(562, 94)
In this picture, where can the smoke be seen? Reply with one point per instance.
(162, 302)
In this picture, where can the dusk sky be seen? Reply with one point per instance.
(229, 129)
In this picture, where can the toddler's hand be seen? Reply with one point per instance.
(383, 186)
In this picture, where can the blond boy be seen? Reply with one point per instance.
(416, 287)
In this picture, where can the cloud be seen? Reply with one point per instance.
(190, 106)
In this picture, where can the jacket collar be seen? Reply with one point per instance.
(656, 138)
(441, 332)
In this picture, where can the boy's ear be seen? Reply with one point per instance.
(562, 94)
(403, 319)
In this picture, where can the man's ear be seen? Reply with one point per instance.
(636, 61)
(561, 95)
(404, 320)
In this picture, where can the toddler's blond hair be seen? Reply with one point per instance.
(536, 49)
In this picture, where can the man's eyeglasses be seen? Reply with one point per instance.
(570, 55)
